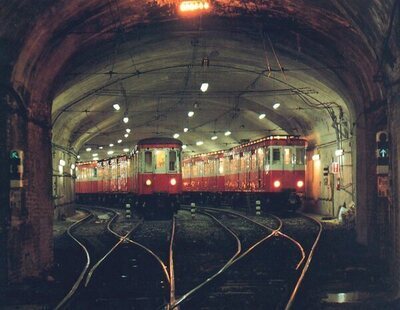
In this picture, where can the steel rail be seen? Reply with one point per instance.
(171, 263)
(306, 266)
(276, 232)
(82, 274)
(121, 240)
(226, 266)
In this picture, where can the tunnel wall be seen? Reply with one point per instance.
(329, 189)
(30, 243)
(63, 181)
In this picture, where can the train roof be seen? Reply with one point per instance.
(158, 141)
(279, 139)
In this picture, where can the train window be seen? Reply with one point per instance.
(148, 161)
(276, 156)
(160, 159)
(172, 160)
(300, 154)
(287, 156)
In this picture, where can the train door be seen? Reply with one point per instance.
(275, 169)
(288, 166)
(261, 157)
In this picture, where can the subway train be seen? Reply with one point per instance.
(149, 179)
(155, 179)
(271, 170)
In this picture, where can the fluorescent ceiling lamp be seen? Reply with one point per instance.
(110, 152)
(199, 143)
(88, 149)
(127, 130)
(261, 116)
(95, 158)
(126, 150)
(126, 135)
(79, 156)
(339, 152)
(100, 147)
(214, 137)
(95, 154)
(204, 87)
(116, 106)
(126, 119)
(62, 162)
(119, 141)
(184, 146)
(227, 133)
(176, 135)
(190, 113)
(111, 145)
(276, 105)
(316, 157)
(185, 129)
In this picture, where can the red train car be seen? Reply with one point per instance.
(272, 169)
(150, 178)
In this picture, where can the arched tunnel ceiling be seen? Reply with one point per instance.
(146, 57)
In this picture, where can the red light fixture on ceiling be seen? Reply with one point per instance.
(192, 6)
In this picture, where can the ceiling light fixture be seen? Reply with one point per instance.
(204, 87)
(227, 133)
(110, 152)
(184, 146)
(199, 143)
(62, 162)
(119, 141)
(176, 135)
(111, 145)
(128, 130)
(316, 157)
(116, 106)
(185, 129)
(191, 6)
(79, 156)
(126, 119)
(276, 105)
(214, 137)
(126, 135)
(126, 150)
(100, 147)
(88, 149)
(95, 158)
(339, 152)
(95, 154)
(261, 116)
(190, 113)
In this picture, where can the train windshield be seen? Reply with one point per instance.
(148, 161)
(300, 155)
(172, 161)
(276, 156)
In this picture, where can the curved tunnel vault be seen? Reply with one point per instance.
(319, 61)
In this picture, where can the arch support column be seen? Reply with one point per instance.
(26, 248)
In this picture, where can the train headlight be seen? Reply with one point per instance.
(173, 181)
(300, 184)
(277, 184)
(148, 182)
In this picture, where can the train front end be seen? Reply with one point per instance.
(159, 177)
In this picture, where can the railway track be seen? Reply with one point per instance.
(255, 278)
(129, 275)
(261, 266)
